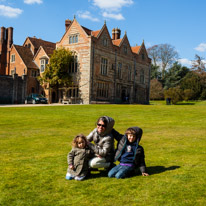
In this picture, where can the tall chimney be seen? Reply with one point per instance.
(2, 34)
(10, 37)
(117, 33)
(113, 34)
(67, 23)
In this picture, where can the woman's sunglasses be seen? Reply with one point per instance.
(103, 125)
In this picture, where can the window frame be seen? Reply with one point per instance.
(104, 66)
(13, 58)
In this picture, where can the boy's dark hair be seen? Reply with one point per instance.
(130, 131)
(76, 140)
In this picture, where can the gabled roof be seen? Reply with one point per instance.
(48, 51)
(88, 31)
(95, 33)
(39, 42)
(136, 49)
(117, 42)
(26, 55)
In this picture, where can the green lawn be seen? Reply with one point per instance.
(35, 141)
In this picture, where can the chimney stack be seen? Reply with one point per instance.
(10, 37)
(116, 33)
(113, 34)
(67, 23)
(2, 34)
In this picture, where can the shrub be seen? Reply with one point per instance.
(188, 94)
(176, 94)
(156, 90)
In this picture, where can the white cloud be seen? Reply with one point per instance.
(86, 15)
(201, 47)
(10, 12)
(33, 1)
(185, 62)
(112, 5)
(113, 16)
(111, 8)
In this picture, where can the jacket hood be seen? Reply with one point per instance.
(110, 124)
(138, 133)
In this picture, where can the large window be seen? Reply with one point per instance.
(43, 64)
(142, 80)
(129, 73)
(73, 39)
(74, 65)
(119, 70)
(118, 90)
(102, 89)
(104, 66)
(13, 58)
(73, 92)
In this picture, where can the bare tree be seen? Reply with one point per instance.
(153, 52)
(164, 55)
(198, 63)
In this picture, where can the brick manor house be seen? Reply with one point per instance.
(105, 69)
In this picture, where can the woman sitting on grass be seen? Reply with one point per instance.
(103, 146)
(78, 159)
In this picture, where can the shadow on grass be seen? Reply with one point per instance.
(185, 103)
(98, 174)
(159, 169)
(151, 170)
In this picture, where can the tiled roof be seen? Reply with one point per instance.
(88, 31)
(117, 42)
(39, 42)
(135, 49)
(26, 55)
(95, 33)
(49, 51)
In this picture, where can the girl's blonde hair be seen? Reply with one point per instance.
(77, 138)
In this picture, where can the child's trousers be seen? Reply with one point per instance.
(120, 171)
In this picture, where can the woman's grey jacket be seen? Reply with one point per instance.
(103, 143)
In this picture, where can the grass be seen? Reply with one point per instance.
(35, 141)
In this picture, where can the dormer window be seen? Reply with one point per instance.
(13, 58)
(73, 39)
(43, 64)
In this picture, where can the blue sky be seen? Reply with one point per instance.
(181, 23)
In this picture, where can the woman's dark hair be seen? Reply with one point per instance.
(77, 138)
(103, 119)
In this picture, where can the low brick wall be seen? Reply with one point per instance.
(12, 89)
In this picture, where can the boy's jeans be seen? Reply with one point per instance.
(120, 171)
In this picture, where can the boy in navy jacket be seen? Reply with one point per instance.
(130, 154)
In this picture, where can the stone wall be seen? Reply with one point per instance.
(12, 89)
